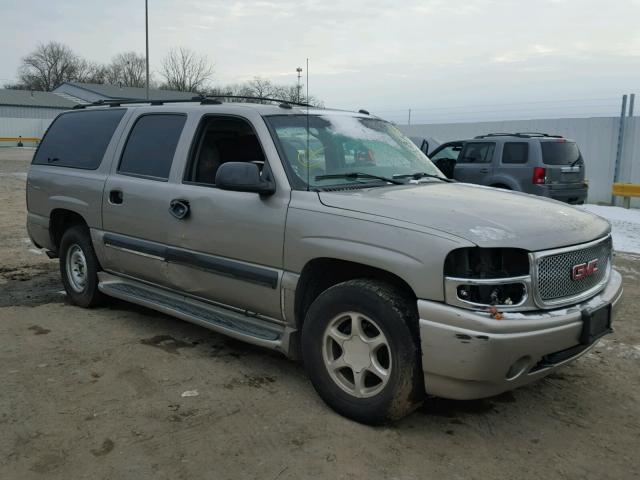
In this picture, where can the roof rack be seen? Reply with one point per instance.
(519, 134)
(203, 99)
(263, 99)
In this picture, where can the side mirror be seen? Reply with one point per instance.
(243, 177)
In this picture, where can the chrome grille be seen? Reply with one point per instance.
(554, 271)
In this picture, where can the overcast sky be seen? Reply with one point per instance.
(444, 59)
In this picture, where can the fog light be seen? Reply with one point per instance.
(519, 367)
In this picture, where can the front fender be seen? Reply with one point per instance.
(412, 253)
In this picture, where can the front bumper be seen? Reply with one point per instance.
(467, 354)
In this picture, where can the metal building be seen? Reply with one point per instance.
(27, 114)
(93, 92)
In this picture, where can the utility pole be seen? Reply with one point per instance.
(409, 122)
(146, 36)
(299, 70)
(616, 170)
(632, 100)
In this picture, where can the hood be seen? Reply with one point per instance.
(486, 216)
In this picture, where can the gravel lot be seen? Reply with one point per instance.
(99, 394)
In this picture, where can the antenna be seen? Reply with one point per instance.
(308, 156)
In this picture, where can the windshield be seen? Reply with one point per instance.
(340, 144)
(559, 153)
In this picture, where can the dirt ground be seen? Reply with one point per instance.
(93, 394)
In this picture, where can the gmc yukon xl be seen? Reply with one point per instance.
(326, 235)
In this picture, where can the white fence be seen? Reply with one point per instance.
(597, 138)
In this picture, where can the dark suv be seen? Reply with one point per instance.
(537, 163)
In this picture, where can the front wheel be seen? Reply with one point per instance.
(360, 349)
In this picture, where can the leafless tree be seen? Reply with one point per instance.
(126, 69)
(89, 72)
(185, 70)
(261, 87)
(49, 65)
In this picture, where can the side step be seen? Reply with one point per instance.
(229, 322)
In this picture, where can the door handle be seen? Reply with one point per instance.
(116, 197)
(179, 208)
(484, 170)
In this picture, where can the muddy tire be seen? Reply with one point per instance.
(79, 267)
(361, 350)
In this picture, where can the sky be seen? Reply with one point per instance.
(445, 60)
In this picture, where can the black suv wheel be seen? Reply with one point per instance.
(79, 267)
(361, 352)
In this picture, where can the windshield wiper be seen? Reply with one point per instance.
(419, 175)
(575, 161)
(356, 175)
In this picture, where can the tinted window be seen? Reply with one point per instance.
(515, 152)
(559, 153)
(151, 145)
(481, 152)
(78, 139)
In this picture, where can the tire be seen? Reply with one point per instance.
(79, 267)
(338, 371)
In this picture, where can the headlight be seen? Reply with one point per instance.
(479, 278)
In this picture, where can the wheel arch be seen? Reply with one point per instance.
(315, 279)
(60, 220)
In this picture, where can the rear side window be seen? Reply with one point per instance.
(515, 152)
(78, 139)
(151, 145)
(560, 153)
(477, 152)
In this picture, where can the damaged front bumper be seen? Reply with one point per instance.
(467, 354)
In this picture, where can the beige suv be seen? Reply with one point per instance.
(325, 235)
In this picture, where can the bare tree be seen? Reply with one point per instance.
(261, 87)
(126, 69)
(48, 66)
(186, 71)
(89, 72)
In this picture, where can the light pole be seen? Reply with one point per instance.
(299, 70)
(146, 35)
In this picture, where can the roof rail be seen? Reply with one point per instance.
(263, 99)
(537, 134)
(203, 99)
(117, 103)
(494, 135)
(519, 135)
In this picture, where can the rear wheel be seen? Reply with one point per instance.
(361, 352)
(79, 267)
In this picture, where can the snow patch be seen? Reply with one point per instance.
(625, 225)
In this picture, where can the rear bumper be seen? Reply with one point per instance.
(467, 354)
(568, 194)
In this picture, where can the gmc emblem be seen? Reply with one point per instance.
(584, 270)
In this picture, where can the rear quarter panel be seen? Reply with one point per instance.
(80, 191)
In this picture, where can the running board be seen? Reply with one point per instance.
(229, 322)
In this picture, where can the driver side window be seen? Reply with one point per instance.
(477, 152)
(221, 140)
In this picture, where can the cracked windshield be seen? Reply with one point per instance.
(347, 150)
